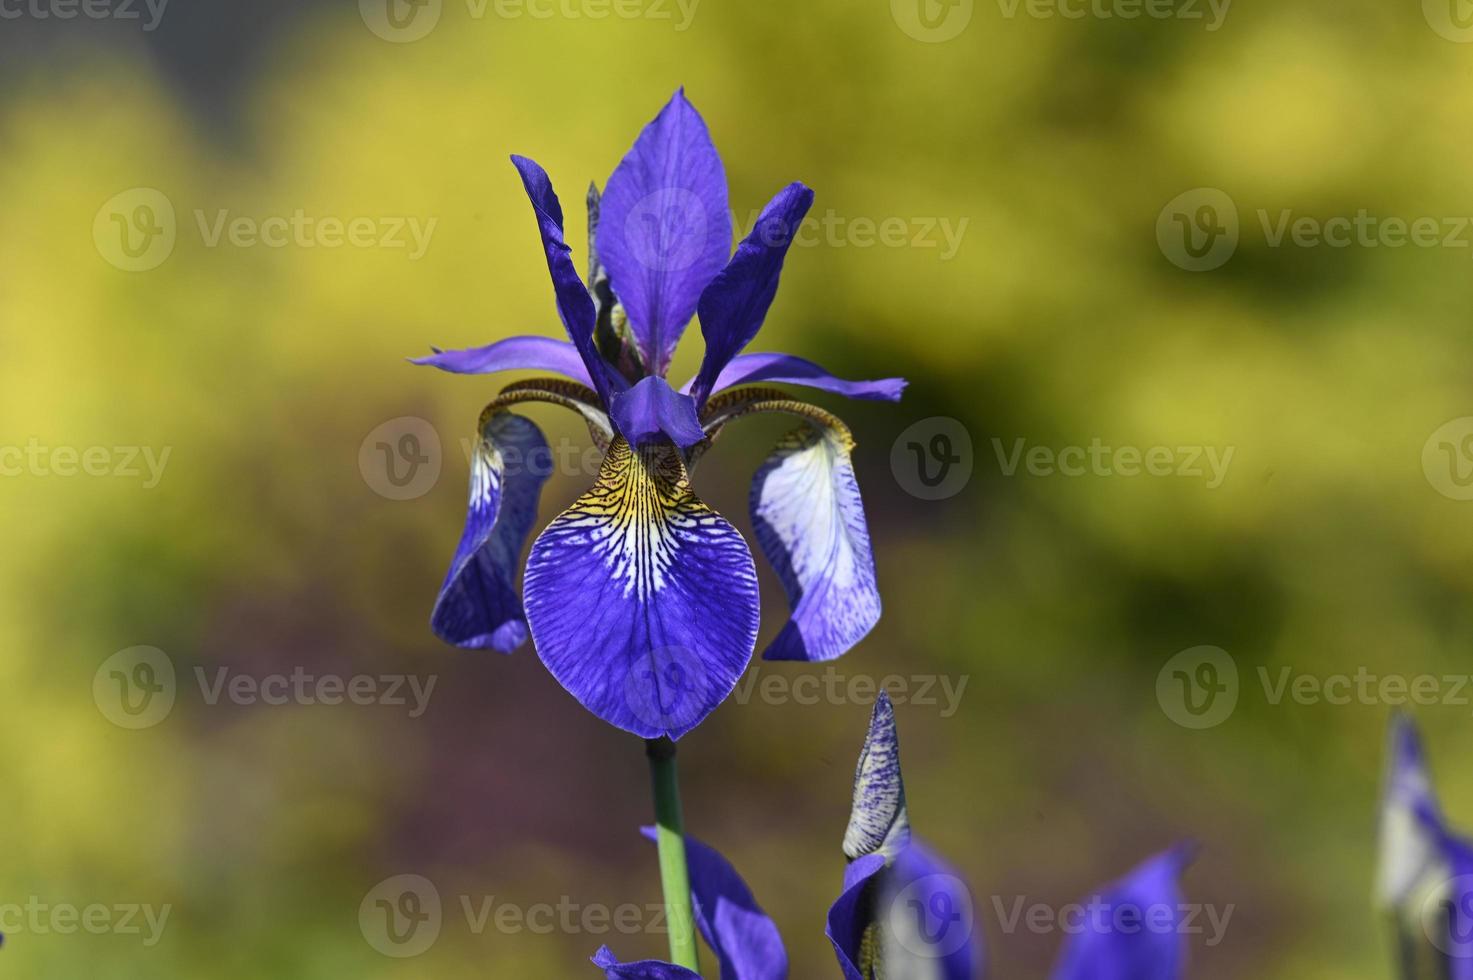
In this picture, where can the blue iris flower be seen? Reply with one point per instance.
(904, 912)
(1424, 878)
(641, 599)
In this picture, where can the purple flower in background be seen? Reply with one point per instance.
(744, 939)
(1424, 878)
(640, 598)
(1132, 929)
(902, 911)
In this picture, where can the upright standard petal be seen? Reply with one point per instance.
(513, 354)
(652, 409)
(478, 606)
(642, 600)
(1132, 930)
(787, 369)
(809, 521)
(605, 960)
(574, 305)
(745, 940)
(878, 821)
(664, 228)
(1409, 854)
(735, 304)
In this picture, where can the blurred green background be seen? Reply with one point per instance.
(1060, 317)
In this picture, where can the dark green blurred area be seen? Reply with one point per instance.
(1053, 144)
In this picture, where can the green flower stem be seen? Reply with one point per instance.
(670, 836)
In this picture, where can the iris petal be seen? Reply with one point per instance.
(652, 409)
(574, 305)
(809, 521)
(513, 354)
(930, 927)
(850, 926)
(736, 302)
(642, 600)
(744, 938)
(641, 970)
(1408, 851)
(478, 606)
(664, 229)
(787, 369)
(1454, 901)
(1138, 935)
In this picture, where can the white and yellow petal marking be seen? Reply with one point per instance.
(642, 599)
